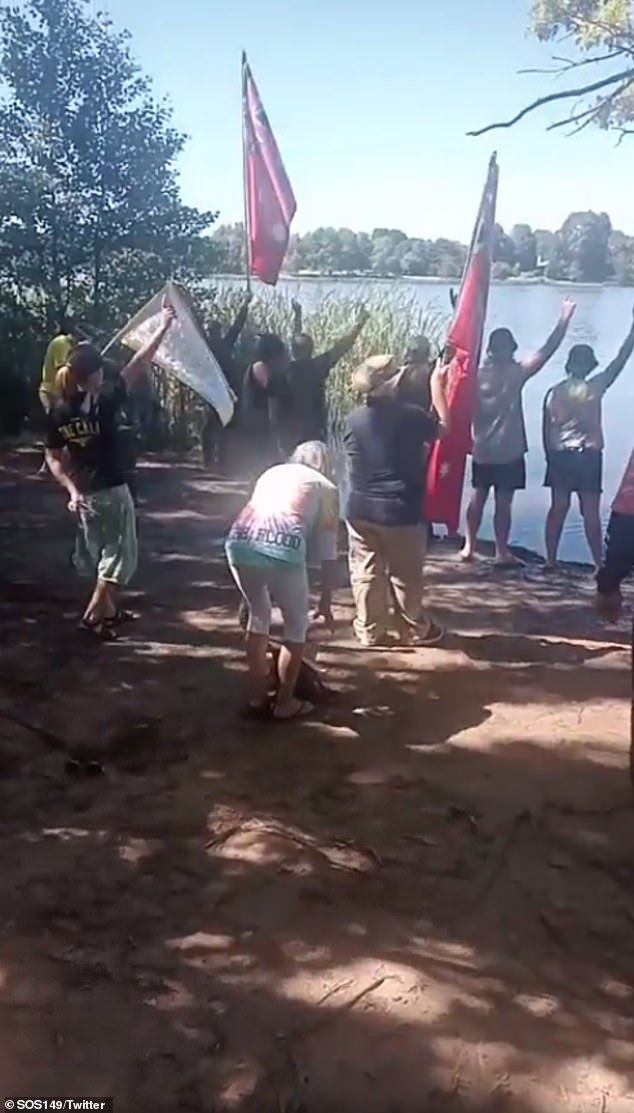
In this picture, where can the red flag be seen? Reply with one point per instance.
(269, 200)
(445, 474)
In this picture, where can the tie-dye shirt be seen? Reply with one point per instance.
(292, 516)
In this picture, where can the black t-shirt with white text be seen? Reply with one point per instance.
(87, 426)
(385, 442)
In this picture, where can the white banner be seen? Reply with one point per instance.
(183, 353)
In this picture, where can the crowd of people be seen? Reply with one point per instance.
(292, 517)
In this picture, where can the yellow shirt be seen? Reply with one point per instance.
(56, 356)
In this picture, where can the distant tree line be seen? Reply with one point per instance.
(585, 249)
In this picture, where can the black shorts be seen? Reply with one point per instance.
(575, 472)
(502, 477)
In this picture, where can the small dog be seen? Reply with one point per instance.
(309, 688)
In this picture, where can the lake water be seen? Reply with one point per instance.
(602, 319)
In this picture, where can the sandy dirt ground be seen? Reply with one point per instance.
(421, 902)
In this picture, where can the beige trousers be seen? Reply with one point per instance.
(386, 568)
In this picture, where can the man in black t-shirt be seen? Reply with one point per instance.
(386, 443)
(265, 406)
(84, 454)
(308, 378)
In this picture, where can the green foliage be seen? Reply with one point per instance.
(90, 213)
(603, 33)
(590, 23)
(525, 246)
(583, 250)
(387, 252)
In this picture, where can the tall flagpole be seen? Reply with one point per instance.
(247, 261)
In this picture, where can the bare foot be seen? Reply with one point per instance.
(507, 560)
(296, 709)
(466, 554)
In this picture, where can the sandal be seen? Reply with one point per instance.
(120, 618)
(101, 631)
(256, 712)
(432, 636)
(83, 767)
(301, 709)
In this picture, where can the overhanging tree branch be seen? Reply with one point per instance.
(623, 77)
(567, 64)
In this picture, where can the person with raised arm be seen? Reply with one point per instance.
(308, 377)
(573, 443)
(499, 432)
(84, 456)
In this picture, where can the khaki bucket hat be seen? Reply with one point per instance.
(377, 375)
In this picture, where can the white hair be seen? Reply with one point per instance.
(313, 454)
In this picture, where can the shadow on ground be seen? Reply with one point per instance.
(421, 904)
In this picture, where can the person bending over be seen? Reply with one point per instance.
(291, 520)
(83, 455)
(573, 443)
(499, 432)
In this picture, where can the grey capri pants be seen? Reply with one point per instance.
(274, 581)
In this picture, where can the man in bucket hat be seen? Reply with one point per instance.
(385, 440)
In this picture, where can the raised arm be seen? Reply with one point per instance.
(329, 358)
(438, 392)
(613, 370)
(232, 334)
(297, 317)
(134, 369)
(534, 363)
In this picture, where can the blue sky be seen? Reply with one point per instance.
(370, 101)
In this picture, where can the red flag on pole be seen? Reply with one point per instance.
(269, 200)
(445, 474)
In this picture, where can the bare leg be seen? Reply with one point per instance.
(502, 525)
(475, 510)
(288, 666)
(102, 603)
(589, 505)
(559, 507)
(258, 666)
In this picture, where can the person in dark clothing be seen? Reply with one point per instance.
(417, 367)
(265, 405)
(214, 434)
(84, 455)
(386, 443)
(308, 376)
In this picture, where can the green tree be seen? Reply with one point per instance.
(525, 245)
(388, 245)
(229, 249)
(601, 34)
(90, 210)
(503, 247)
(622, 258)
(546, 243)
(584, 247)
